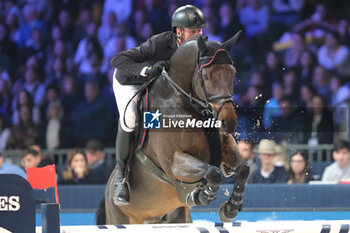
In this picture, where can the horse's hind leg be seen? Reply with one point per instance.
(229, 209)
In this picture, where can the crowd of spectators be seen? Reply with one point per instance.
(55, 79)
(293, 67)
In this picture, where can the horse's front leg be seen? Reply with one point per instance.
(233, 161)
(196, 181)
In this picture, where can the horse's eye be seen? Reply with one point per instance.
(206, 77)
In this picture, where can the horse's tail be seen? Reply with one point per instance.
(101, 213)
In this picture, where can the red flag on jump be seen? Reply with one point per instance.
(43, 178)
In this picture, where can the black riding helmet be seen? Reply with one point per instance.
(188, 16)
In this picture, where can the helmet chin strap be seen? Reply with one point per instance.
(180, 37)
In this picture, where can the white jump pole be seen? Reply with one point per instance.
(337, 226)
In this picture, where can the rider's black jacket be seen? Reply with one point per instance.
(130, 63)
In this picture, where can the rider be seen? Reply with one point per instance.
(133, 67)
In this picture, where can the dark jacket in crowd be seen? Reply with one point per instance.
(89, 121)
(325, 128)
(279, 175)
(131, 62)
(100, 172)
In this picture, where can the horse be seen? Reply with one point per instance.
(177, 169)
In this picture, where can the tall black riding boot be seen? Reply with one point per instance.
(121, 187)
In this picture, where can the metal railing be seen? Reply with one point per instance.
(59, 155)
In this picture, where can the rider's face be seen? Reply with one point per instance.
(186, 33)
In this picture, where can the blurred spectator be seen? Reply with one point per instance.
(33, 85)
(30, 158)
(24, 98)
(86, 45)
(340, 94)
(55, 131)
(136, 22)
(282, 158)
(268, 173)
(333, 55)
(305, 66)
(4, 132)
(56, 72)
(62, 50)
(13, 22)
(343, 31)
(292, 55)
(320, 80)
(8, 49)
(65, 22)
(272, 106)
(285, 126)
(290, 84)
(77, 171)
(155, 12)
(70, 94)
(340, 170)
(300, 170)
(5, 97)
(121, 8)
(96, 157)
(35, 47)
(92, 46)
(272, 70)
(24, 133)
(286, 13)
(255, 19)
(52, 94)
(307, 92)
(44, 159)
(316, 25)
(106, 30)
(115, 45)
(31, 22)
(9, 168)
(89, 116)
(245, 148)
(319, 126)
(211, 32)
(229, 21)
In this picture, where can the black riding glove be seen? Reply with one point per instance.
(157, 68)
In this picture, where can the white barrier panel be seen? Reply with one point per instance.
(338, 226)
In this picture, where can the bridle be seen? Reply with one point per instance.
(204, 107)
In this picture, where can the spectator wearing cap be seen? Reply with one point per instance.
(268, 172)
(96, 157)
(339, 170)
(9, 168)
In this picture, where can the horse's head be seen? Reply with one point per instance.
(215, 79)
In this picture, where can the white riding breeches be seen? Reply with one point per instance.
(123, 93)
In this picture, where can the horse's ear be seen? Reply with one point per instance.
(201, 44)
(231, 42)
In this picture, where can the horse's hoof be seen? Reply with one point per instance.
(224, 216)
(120, 201)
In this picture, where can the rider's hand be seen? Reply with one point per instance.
(157, 68)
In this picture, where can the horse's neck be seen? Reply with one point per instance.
(184, 65)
